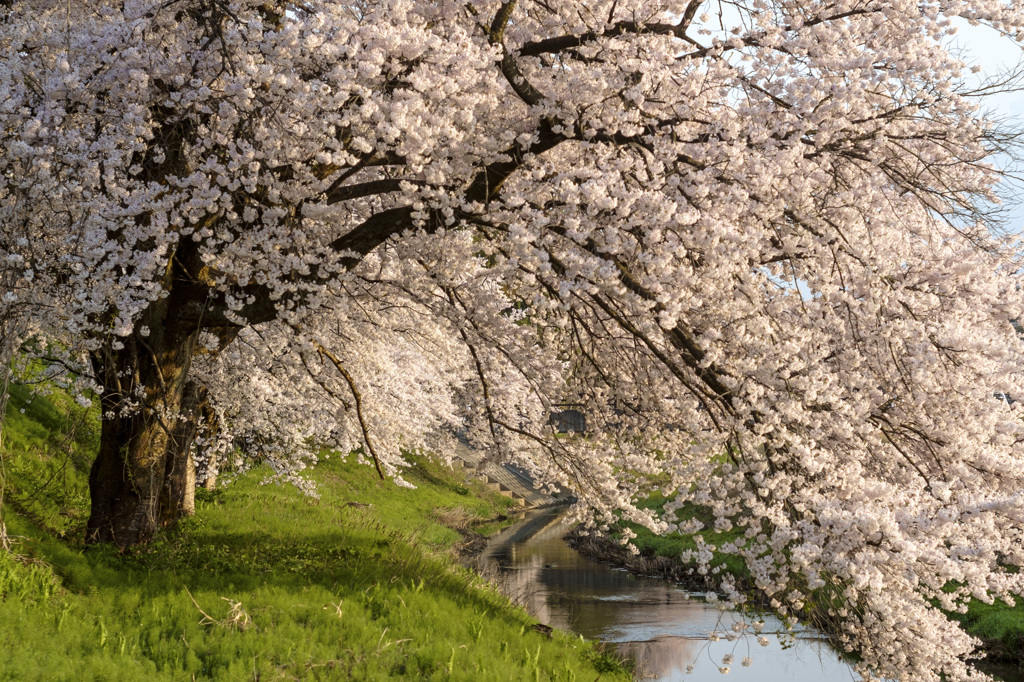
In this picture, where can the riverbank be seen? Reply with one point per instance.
(264, 582)
(608, 551)
(999, 627)
(670, 633)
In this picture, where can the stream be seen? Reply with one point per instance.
(663, 627)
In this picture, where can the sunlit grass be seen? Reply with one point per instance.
(999, 625)
(48, 446)
(263, 583)
(674, 544)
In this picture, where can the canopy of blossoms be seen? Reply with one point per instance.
(750, 237)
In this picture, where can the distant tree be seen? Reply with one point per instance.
(753, 244)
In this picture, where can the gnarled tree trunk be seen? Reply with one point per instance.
(145, 389)
(143, 477)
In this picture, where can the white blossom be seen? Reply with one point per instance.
(757, 257)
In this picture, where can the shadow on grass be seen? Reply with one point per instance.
(351, 560)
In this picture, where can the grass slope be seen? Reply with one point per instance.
(262, 584)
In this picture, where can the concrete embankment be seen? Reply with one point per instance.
(507, 479)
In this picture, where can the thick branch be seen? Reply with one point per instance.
(373, 232)
(509, 68)
(558, 44)
(337, 193)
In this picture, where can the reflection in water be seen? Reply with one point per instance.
(663, 627)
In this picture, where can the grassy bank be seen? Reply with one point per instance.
(263, 583)
(659, 554)
(1000, 627)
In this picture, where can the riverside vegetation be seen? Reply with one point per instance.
(262, 583)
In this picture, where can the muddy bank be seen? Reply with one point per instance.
(473, 541)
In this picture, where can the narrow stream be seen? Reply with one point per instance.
(665, 628)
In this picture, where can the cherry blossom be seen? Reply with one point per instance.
(752, 238)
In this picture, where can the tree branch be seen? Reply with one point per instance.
(558, 44)
(359, 404)
(509, 68)
(337, 193)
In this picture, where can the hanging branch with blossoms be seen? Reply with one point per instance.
(752, 238)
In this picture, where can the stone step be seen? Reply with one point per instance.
(506, 479)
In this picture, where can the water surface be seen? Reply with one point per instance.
(665, 628)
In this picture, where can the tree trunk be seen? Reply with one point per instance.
(188, 503)
(141, 443)
(178, 495)
(211, 426)
(12, 326)
(212, 467)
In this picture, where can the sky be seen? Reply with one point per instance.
(996, 54)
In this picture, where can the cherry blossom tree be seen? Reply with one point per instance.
(750, 236)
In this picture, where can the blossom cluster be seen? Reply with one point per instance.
(753, 246)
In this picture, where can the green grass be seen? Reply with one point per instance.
(263, 583)
(673, 544)
(999, 626)
(48, 446)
